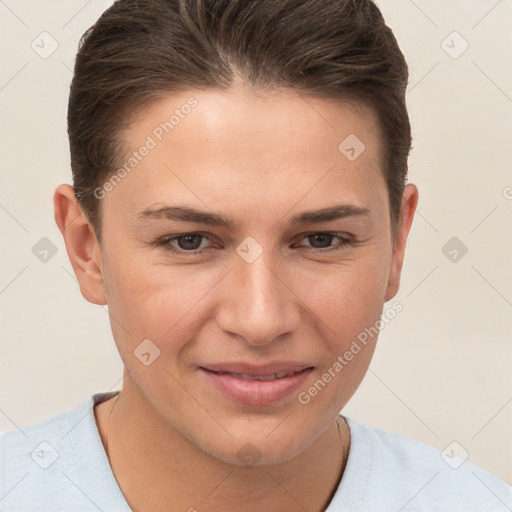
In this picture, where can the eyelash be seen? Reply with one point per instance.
(165, 242)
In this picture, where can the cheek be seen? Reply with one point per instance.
(155, 301)
(347, 297)
(348, 303)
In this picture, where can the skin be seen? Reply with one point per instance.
(259, 159)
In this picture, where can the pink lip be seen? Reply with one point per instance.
(255, 369)
(256, 392)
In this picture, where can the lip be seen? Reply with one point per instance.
(254, 369)
(256, 392)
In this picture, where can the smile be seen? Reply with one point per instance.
(257, 388)
(274, 376)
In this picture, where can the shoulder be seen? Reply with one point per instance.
(46, 465)
(37, 444)
(409, 475)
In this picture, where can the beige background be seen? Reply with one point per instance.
(442, 369)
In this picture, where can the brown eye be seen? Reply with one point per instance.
(189, 242)
(323, 242)
(320, 240)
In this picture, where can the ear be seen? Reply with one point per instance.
(407, 210)
(82, 246)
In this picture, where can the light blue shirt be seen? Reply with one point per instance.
(59, 465)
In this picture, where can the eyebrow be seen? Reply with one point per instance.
(187, 214)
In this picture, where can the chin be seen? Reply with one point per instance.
(256, 452)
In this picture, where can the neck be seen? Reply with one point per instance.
(202, 482)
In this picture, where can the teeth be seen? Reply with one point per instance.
(264, 377)
(274, 376)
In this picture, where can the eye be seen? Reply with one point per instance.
(189, 243)
(322, 241)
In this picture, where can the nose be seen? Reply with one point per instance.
(257, 303)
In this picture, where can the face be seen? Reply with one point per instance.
(248, 238)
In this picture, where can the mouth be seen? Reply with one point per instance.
(256, 386)
(272, 376)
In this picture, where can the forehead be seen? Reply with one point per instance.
(226, 147)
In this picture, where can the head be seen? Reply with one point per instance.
(239, 197)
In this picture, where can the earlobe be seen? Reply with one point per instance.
(409, 203)
(82, 246)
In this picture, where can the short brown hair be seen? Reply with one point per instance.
(139, 51)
